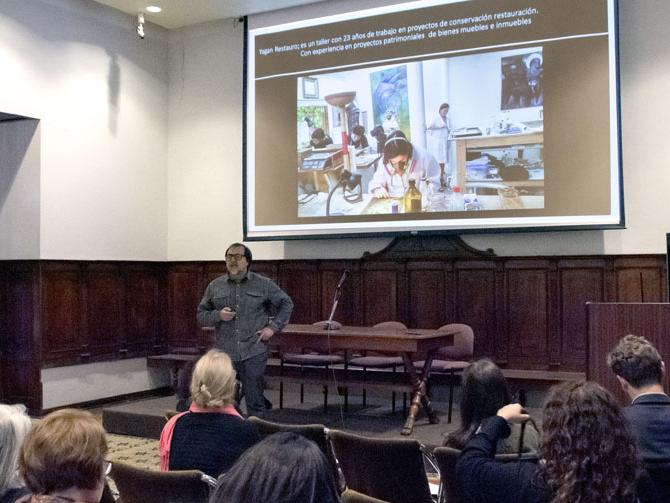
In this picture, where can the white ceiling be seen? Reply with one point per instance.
(178, 13)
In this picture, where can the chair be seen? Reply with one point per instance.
(138, 485)
(660, 474)
(351, 496)
(309, 358)
(314, 432)
(446, 457)
(373, 359)
(452, 359)
(392, 470)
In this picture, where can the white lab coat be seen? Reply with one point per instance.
(421, 165)
(437, 136)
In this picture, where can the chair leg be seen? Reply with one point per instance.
(404, 403)
(325, 399)
(393, 403)
(365, 396)
(281, 394)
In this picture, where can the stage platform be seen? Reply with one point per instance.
(146, 417)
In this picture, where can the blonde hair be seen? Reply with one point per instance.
(14, 426)
(213, 381)
(65, 449)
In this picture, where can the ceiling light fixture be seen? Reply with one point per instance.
(154, 9)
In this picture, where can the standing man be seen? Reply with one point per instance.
(246, 309)
(639, 369)
(438, 139)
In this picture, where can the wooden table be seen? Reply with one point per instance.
(412, 345)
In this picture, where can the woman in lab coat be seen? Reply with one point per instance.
(402, 162)
(437, 136)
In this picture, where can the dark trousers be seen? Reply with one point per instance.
(251, 373)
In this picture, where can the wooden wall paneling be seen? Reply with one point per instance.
(267, 268)
(380, 288)
(527, 308)
(145, 310)
(427, 294)
(348, 308)
(580, 281)
(104, 305)
(477, 304)
(608, 322)
(640, 279)
(300, 279)
(19, 331)
(63, 307)
(185, 289)
(554, 334)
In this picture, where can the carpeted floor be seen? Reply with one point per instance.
(136, 451)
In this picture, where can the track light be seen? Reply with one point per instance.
(140, 24)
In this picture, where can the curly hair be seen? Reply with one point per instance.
(588, 449)
(637, 361)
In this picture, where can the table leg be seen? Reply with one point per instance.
(419, 397)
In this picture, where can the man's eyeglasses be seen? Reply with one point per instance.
(234, 256)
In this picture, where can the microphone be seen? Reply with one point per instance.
(342, 279)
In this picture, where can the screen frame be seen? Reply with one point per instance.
(285, 236)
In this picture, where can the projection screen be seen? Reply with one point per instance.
(433, 116)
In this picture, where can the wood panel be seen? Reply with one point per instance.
(64, 316)
(426, 298)
(527, 300)
(185, 289)
(379, 291)
(145, 310)
(300, 279)
(476, 301)
(581, 281)
(104, 298)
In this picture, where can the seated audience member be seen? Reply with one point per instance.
(211, 435)
(402, 161)
(587, 454)
(484, 392)
(320, 139)
(378, 134)
(14, 425)
(640, 370)
(357, 137)
(63, 458)
(282, 468)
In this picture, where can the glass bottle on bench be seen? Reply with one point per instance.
(412, 198)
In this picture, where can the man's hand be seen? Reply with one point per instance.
(264, 334)
(513, 413)
(226, 314)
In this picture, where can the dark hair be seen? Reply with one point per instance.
(247, 252)
(282, 468)
(397, 144)
(587, 445)
(637, 361)
(358, 129)
(443, 105)
(318, 134)
(484, 391)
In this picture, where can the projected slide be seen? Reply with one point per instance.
(434, 116)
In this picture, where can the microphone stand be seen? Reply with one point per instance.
(330, 324)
